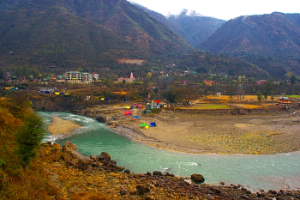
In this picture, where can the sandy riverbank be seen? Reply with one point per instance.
(251, 134)
(61, 127)
(260, 133)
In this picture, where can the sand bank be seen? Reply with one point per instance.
(62, 128)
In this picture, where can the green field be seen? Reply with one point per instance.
(294, 96)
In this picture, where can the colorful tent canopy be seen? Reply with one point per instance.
(128, 113)
(157, 101)
(144, 125)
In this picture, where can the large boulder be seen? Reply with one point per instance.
(101, 119)
(157, 173)
(197, 178)
(74, 158)
(104, 157)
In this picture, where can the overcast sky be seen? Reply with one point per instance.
(223, 9)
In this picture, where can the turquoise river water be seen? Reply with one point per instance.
(280, 171)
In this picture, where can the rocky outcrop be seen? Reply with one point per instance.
(73, 158)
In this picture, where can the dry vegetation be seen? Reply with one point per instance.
(20, 134)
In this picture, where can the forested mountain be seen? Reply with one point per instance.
(272, 41)
(97, 33)
(79, 32)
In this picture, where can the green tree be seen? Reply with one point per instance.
(29, 137)
(259, 97)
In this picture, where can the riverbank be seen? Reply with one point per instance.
(264, 133)
(61, 128)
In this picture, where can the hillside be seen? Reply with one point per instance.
(271, 41)
(77, 32)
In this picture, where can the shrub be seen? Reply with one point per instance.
(2, 163)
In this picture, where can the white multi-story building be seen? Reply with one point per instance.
(73, 76)
(79, 77)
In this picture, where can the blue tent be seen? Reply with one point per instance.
(153, 124)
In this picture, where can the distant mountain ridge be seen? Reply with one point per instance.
(272, 41)
(193, 27)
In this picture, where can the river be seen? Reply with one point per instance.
(280, 171)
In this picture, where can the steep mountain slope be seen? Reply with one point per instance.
(78, 32)
(195, 28)
(271, 41)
